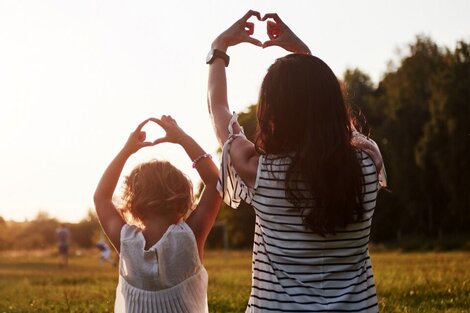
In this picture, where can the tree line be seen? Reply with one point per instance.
(40, 233)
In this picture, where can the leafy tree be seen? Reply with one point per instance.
(358, 91)
(87, 232)
(419, 115)
(37, 234)
(445, 146)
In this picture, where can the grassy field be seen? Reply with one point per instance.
(406, 282)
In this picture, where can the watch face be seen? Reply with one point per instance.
(214, 54)
(210, 55)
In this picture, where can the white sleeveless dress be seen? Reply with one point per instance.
(168, 277)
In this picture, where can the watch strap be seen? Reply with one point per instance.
(216, 54)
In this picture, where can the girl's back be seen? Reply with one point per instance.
(166, 277)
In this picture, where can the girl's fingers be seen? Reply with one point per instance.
(141, 125)
(168, 119)
(160, 122)
(160, 140)
(141, 135)
(171, 119)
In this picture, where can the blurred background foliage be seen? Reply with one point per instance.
(40, 233)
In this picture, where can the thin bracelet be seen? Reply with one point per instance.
(199, 158)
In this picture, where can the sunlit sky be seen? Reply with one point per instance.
(76, 77)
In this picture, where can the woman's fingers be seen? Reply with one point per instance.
(281, 35)
(239, 32)
(274, 16)
(271, 43)
(254, 41)
(251, 13)
(249, 28)
(273, 30)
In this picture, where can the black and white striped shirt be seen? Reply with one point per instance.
(295, 270)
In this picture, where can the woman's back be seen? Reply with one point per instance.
(301, 112)
(295, 270)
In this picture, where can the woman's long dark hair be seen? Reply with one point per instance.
(302, 114)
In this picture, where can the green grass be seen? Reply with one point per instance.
(423, 282)
(406, 282)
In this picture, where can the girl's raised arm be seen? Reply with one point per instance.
(203, 217)
(110, 219)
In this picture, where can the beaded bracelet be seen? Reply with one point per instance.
(199, 158)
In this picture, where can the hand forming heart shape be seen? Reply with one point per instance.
(273, 25)
(137, 139)
(278, 32)
(153, 131)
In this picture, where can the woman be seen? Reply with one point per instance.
(311, 178)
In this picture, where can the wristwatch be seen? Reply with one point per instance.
(214, 54)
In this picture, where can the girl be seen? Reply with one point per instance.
(310, 177)
(161, 261)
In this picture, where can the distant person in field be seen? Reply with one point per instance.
(105, 252)
(161, 266)
(63, 237)
(311, 178)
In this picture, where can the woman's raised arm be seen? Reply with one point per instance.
(219, 110)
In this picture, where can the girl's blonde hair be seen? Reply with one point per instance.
(156, 187)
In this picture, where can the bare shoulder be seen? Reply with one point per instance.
(245, 159)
